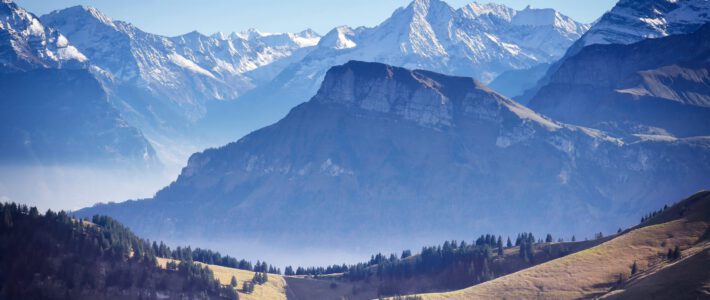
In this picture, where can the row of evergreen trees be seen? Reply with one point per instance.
(391, 264)
(653, 214)
(54, 256)
(212, 258)
(461, 261)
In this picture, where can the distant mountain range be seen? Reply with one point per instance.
(53, 111)
(479, 41)
(381, 152)
(164, 85)
(192, 91)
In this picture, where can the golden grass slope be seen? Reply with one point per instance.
(595, 272)
(273, 289)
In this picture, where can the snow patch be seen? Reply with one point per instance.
(185, 63)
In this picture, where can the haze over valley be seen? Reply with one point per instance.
(464, 152)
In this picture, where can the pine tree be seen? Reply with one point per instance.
(574, 239)
(548, 238)
(634, 268)
(509, 243)
(500, 246)
(233, 283)
(676, 253)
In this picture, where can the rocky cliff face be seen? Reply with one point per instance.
(381, 152)
(657, 86)
(631, 21)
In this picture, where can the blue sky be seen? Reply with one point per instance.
(173, 17)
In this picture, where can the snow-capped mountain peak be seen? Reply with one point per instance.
(543, 17)
(475, 10)
(29, 44)
(179, 73)
(338, 38)
(306, 38)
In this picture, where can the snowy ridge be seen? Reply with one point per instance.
(28, 44)
(633, 20)
(188, 69)
(479, 41)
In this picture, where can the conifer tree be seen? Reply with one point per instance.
(500, 246)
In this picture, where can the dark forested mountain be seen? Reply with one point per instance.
(655, 87)
(381, 152)
(52, 110)
(54, 256)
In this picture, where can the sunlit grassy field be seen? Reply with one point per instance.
(273, 289)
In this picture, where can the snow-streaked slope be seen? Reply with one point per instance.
(186, 70)
(476, 40)
(633, 20)
(25, 43)
(52, 109)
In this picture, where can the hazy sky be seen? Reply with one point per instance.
(173, 17)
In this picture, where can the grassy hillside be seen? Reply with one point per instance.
(273, 289)
(452, 270)
(606, 270)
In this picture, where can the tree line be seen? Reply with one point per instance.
(55, 256)
(212, 258)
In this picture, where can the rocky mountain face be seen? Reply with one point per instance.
(53, 110)
(656, 86)
(480, 41)
(26, 44)
(631, 21)
(382, 152)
